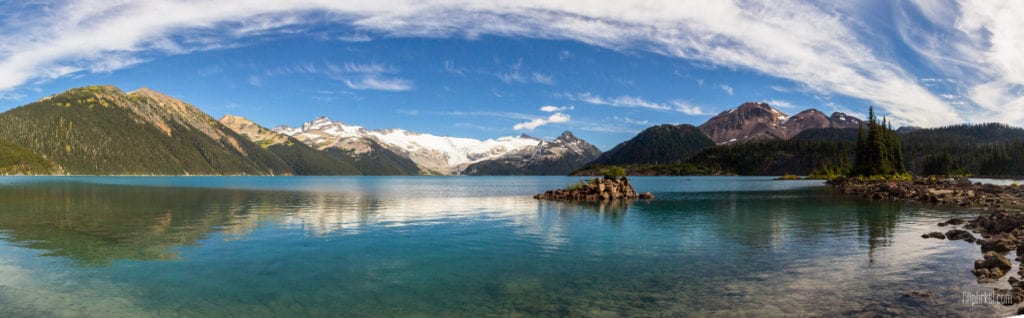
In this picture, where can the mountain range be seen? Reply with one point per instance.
(443, 155)
(101, 130)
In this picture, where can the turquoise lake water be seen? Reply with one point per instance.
(469, 246)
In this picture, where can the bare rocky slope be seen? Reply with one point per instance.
(754, 121)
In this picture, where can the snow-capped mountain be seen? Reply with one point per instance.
(752, 121)
(431, 153)
(561, 156)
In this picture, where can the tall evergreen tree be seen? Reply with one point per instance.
(878, 153)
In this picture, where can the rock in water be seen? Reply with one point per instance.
(596, 190)
(953, 221)
(992, 267)
(1000, 243)
(960, 235)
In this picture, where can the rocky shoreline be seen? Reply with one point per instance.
(598, 189)
(1000, 232)
(946, 191)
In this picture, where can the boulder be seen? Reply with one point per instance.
(937, 235)
(957, 234)
(992, 267)
(954, 221)
(1000, 243)
(1000, 222)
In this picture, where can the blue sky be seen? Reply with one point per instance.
(604, 70)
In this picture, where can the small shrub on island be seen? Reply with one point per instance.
(613, 172)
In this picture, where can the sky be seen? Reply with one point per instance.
(604, 70)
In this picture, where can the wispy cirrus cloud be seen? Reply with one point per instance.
(976, 47)
(827, 49)
(358, 76)
(635, 102)
(450, 67)
(620, 101)
(543, 78)
(380, 84)
(726, 88)
(515, 74)
(632, 121)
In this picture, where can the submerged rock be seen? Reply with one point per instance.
(937, 235)
(919, 294)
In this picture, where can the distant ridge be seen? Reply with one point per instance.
(443, 155)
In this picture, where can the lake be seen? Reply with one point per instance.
(470, 246)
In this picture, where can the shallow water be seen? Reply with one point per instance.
(469, 246)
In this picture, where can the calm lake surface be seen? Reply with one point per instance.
(469, 246)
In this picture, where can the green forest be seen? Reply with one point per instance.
(992, 150)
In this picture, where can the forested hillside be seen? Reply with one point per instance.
(16, 159)
(99, 130)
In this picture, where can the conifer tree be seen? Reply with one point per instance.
(878, 152)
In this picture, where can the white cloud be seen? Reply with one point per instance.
(11, 96)
(408, 112)
(543, 78)
(515, 75)
(255, 81)
(509, 78)
(355, 38)
(976, 47)
(635, 102)
(533, 124)
(552, 109)
(632, 121)
(828, 49)
(621, 101)
(687, 108)
(372, 68)
(726, 88)
(450, 67)
(372, 82)
(778, 103)
(359, 76)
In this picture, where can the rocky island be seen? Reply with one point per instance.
(598, 189)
